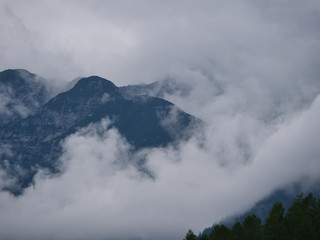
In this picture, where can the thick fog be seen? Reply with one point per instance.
(253, 69)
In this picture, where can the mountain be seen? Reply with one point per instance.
(156, 89)
(21, 94)
(34, 141)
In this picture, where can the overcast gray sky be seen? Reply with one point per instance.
(254, 71)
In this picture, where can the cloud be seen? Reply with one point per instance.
(11, 107)
(102, 195)
(129, 43)
(253, 68)
(23, 96)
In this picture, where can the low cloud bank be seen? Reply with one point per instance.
(102, 195)
(253, 69)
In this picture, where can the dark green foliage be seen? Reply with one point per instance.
(221, 233)
(302, 219)
(301, 222)
(252, 227)
(274, 226)
(203, 237)
(190, 236)
(238, 231)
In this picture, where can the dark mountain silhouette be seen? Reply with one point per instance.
(34, 142)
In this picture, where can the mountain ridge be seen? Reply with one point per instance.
(36, 138)
(21, 94)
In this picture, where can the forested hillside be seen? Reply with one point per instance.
(300, 222)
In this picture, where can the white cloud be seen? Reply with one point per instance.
(98, 198)
(143, 42)
(253, 68)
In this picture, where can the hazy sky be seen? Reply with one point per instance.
(254, 71)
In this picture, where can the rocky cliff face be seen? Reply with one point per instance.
(21, 94)
(34, 141)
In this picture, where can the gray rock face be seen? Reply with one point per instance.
(34, 141)
(21, 94)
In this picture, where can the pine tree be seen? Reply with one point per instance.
(252, 227)
(301, 222)
(274, 228)
(203, 237)
(190, 235)
(238, 231)
(221, 232)
(301, 218)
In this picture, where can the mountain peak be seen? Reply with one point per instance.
(93, 87)
(21, 94)
(141, 121)
(96, 83)
(16, 76)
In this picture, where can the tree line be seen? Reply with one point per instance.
(300, 222)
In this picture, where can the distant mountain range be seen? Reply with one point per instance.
(30, 138)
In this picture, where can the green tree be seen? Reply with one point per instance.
(221, 232)
(238, 231)
(190, 236)
(317, 220)
(301, 219)
(301, 222)
(274, 228)
(252, 227)
(203, 237)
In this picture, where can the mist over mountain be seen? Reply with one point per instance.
(21, 94)
(64, 130)
(125, 159)
(159, 89)
(35, 141)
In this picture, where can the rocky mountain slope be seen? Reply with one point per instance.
(34, 142)
(21, 94)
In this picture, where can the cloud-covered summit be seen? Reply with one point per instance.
(252, 67)
(96, 198)
(21, 94)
